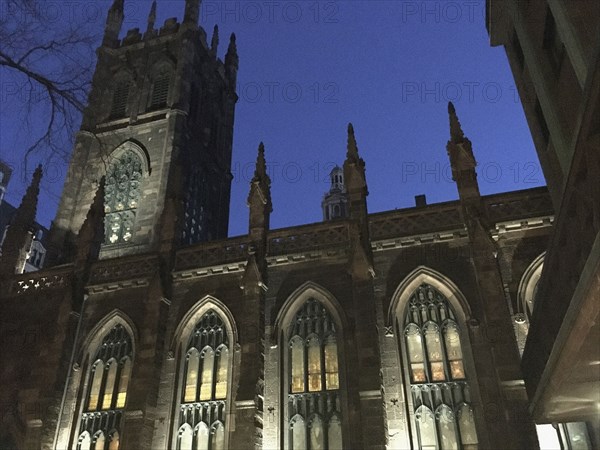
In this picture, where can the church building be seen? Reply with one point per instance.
(149, 328)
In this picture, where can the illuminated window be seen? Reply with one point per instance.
(99, 441)
(121, 198)
(114, 441)
(123, 382)
(313, 399)
(202, 436)
(107, 392)
(438, 386)
(205, 386)
(332, 380)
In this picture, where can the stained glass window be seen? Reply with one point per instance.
(107, 392)
(122, 195)
(313, 398)
(439, 390)
(205, 386)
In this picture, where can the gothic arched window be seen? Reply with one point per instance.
(107, 392)
(314, 413)
(205, 386)
(122, 195)
(438, 383)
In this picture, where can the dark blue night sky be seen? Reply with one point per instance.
(307, 68)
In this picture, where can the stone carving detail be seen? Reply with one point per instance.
(123, 269)
(500, 210)
(320, 237)
(411, 222)
(212, 253)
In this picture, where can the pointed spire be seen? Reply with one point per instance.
(114, 22)
(352, 153)
(19, 235)
(192, 12)
(261, 182)
(456, 132)
(118, 7)
(91, 233)
(151, 18)
(26, 213)
(214, 43)
(260, 172)
(259, 202)
(459, 146)
(231, 59)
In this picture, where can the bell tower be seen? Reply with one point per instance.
(159, 127)
(335, 202)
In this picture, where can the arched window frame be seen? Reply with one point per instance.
(162, 72)
(179, 347)
(285, 317)
(141, 155)
(528, 286)
(396, 318)
(89, 359)
(120, 96)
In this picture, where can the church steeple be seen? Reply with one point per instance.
(114, 22)
(19, 236)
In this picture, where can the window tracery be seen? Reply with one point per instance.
(108, 381)
(122, 195)
(439, 389)
(205, 388)
(314, 413)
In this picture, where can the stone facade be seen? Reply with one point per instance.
(157, 287)
(553, 48)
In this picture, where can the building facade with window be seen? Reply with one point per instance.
(150, 328)
(553, 48)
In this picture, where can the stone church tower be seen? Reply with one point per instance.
(151, 329)
(160, 121)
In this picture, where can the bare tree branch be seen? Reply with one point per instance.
(51, 66)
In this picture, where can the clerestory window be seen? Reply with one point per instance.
(438, 382)
(314, 412)
(205, 386)
(107, 392)
(122, 195)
